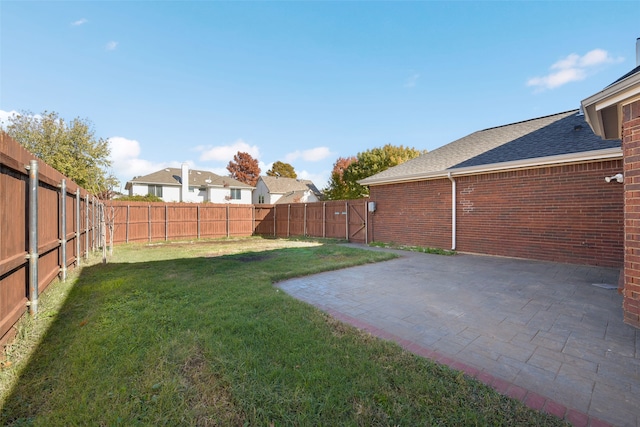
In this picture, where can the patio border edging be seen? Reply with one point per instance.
(530, 399)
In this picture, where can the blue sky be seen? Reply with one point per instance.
(303, 82)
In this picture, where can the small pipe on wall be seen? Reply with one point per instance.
(453, 211)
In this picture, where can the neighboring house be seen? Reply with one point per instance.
(184, 185)
(273, 189)
(614, 113)
(532, 189)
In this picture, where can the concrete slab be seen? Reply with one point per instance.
(538, 331)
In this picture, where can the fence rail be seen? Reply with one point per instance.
(47, 223)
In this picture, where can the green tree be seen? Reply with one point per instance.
(244, 168)
(72, 148)
(371, 162)
(281, 169)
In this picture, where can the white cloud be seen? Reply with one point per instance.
(112, 45)
(126, 162)
(123, 148)
(4, 117)
(597, 57)
(321, 179)
(264, 167)
(412, 80)
(79, 22)
(218, 171)
(557, 79)
(225, 153)
(311, 155)
(571, 69)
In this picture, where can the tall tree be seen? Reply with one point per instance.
(338, 189)
(284, 170)
(244, 168)
(72, 148)
(371, 162)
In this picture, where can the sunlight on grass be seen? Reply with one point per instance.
(196, 334)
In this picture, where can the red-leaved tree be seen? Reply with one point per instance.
(338, 189)
(244, 168)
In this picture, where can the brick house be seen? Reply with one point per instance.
(614, 113)
(533, 189)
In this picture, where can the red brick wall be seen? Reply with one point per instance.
(561, 213)
(415, 213)
(631, 148)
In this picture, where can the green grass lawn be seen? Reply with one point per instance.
(196, 334)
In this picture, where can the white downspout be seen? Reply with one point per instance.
(453, 211)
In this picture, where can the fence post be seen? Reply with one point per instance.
(126, 229)
(103, 234)
(305, 220)
(149, 214)
(346, 219)
(366, 222)
(78, 226)
(198, 219)
(92, 226)
(228, 224)
(324, 219)
(275, 224)
(166, 223)
(92, 235)
(63, 230)
(94, 214)
(288, 220)
(33, 237)
(86, 227)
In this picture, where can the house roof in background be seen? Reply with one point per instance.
(281, 185)
(291, 197)
(557, 134)
(197, 178)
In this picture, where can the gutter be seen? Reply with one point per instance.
(538, 162)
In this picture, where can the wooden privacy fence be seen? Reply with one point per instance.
(47, 223)
(149, 222)
(337, 219)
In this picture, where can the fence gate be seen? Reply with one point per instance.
(357, 213)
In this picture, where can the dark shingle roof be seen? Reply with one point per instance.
(562, 133)
(570, 134)
(629, 74)
(280, 185)
(197, 178)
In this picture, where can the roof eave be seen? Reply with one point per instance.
(583, 157)
(235, 187)
(154, 183)
(603, 110)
